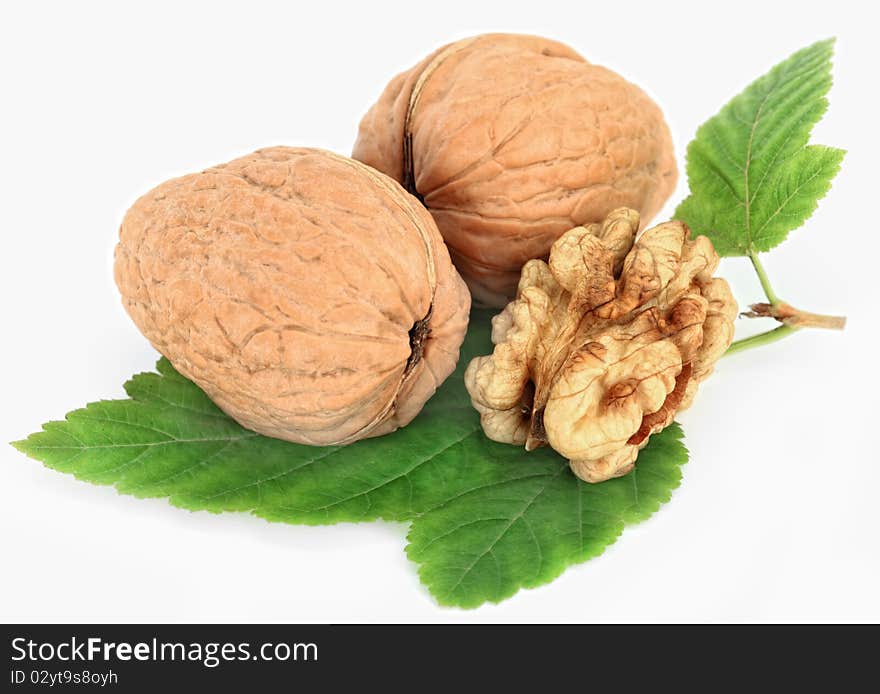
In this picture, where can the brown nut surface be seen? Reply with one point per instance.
(511, 141)
(604, 344)
(308, 295)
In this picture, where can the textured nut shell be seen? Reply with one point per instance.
(285, 284)
(515, 140)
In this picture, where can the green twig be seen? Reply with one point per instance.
(762, 276)
(760, 339)
(791, 318)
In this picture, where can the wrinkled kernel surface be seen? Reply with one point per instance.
(604, 343)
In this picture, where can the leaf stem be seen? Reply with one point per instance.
(760, 339)
(762, 276)
(789, 315)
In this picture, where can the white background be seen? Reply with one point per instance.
(777, 516)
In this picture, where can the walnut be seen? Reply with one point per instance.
(605, 344)
(308, 295)
(511, 141)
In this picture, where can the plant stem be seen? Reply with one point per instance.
(791, 318)
(762, 276)
(760, 339)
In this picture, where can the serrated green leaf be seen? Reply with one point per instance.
(522, 529)
(793, 193)
(169, 440)
(751, 175)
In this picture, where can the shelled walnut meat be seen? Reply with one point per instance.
(511, 141)
(604, 344)
(308, 295)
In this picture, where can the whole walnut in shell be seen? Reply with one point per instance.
(308, 295)
(604, 344)
(511, 141)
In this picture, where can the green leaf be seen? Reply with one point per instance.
(752, 177)
(169, 440)
(476, 502)
(522, 529)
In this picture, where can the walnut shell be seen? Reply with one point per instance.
(511, 141)
(604, 344)
(308, 295)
